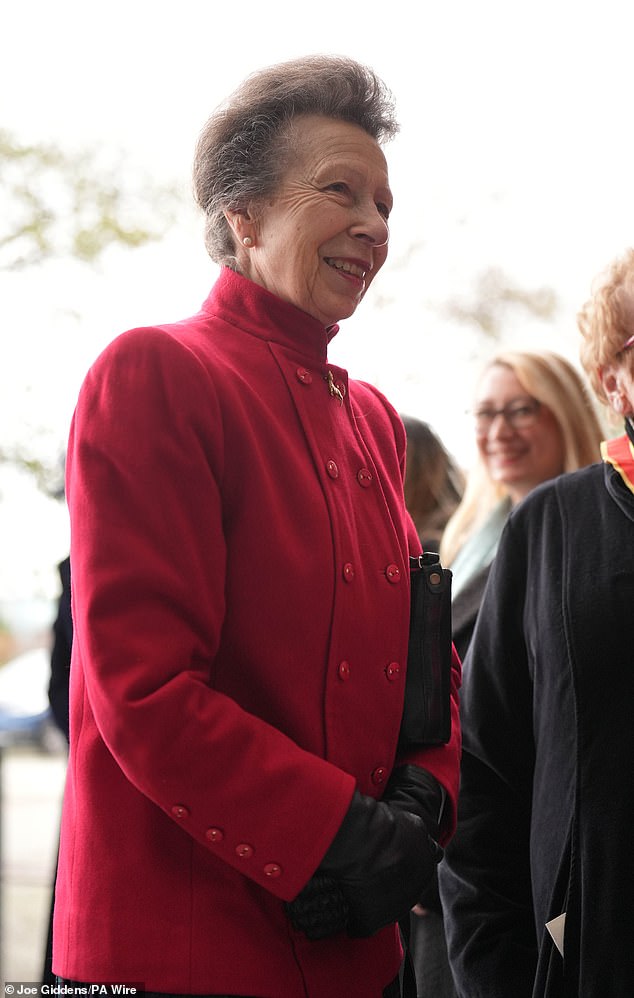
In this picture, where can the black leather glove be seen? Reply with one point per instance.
(416, 790)
(320, 909)
(413, 789)
(376, 868)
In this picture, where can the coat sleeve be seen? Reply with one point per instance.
(148, 549)
(485, 877)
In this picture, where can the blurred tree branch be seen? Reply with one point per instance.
(56, 204)
(48, 475)
(494, 294)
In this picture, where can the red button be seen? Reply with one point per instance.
(273, 870)
(364, 477)
(393, 671)
(244, 850)
(379, 776)
(180, 811)
(214, 834)
(393, 574)
(304, 376)
(344, 671)
(348, 572)
(332, 469)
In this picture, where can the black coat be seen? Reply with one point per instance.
(546, 809)
(60, 653)
(464, 611)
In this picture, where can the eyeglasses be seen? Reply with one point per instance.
(628, 343)
(517, 415)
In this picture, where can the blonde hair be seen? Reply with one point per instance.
(555, 383)
(606, 321)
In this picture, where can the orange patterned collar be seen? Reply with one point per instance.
(620, 453)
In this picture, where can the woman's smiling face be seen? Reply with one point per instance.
(321, 240)
(517, 457)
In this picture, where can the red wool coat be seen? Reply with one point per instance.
(240, 599)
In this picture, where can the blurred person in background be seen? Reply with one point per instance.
(58, 688)
(533, 419)
(433, 488)
(434, 482)
(61, 652)
(237, 820)
(537, 883)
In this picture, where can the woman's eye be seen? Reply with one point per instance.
(339, 188)
(383, 210)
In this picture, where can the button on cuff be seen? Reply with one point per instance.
(273, 870)
(180, 811)
(379, 775)
(214, 835)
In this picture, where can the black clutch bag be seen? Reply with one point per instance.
(427, 709)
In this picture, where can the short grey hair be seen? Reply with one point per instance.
(244, 148)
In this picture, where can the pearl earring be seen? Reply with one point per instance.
(247, 241)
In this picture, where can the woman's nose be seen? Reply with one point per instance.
(372, 226)
(500, 426)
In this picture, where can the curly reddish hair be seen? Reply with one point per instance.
(606, 321)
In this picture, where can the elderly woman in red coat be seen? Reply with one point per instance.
(237, 819)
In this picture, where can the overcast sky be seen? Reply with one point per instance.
(515, 152)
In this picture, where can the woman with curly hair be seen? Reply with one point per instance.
(537, 882)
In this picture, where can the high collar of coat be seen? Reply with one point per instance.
(252, 308)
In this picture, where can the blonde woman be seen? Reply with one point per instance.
(533, 420)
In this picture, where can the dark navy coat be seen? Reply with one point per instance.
(546, 807)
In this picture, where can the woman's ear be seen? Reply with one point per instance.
(609, 376)
(243, 227)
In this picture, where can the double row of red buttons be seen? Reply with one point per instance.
(392, 674)
(392, 671)
(392, 573)
(364, 475)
